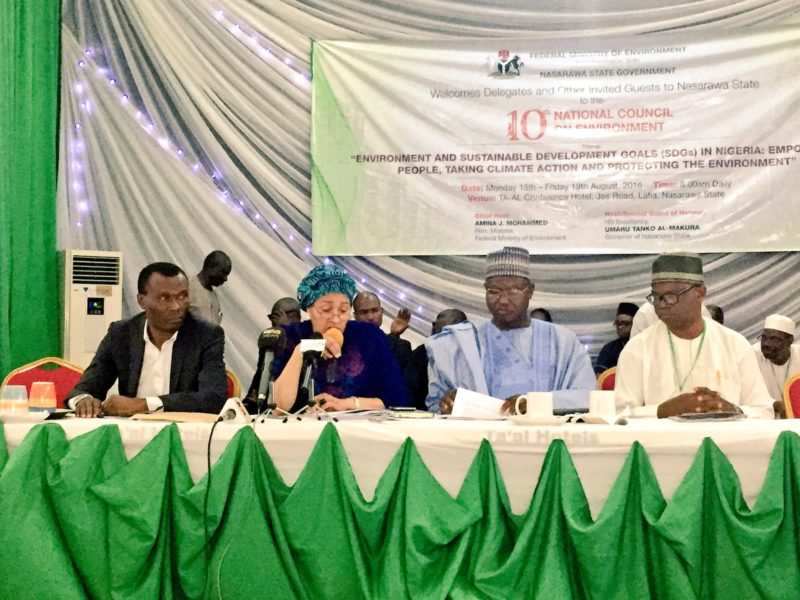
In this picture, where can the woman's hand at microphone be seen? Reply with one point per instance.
(333, 344)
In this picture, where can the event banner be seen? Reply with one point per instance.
(599, 145)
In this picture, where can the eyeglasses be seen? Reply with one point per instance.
(510, 292)
(622, 323)
(669, 298)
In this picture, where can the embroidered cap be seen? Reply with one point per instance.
(508, 262)
(324, 279)
(779, 323)
(678, 266)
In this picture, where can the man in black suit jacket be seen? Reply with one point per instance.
(131, 350)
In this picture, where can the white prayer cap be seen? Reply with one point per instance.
(780, 323)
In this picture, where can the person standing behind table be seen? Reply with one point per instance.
(162, 357)
(609, 354)
(685, 363)
(778, 358)
(512, 354)
(449, 316)
(203, 301)
(361, 372)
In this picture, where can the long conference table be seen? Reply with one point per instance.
(433, 508)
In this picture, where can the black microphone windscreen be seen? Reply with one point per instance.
(272, 340)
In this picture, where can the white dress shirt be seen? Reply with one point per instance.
(156, 365)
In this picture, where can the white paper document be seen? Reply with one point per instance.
(472, 405)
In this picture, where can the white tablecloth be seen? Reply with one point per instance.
(448, 448)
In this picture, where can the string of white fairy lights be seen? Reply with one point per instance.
(90, 64)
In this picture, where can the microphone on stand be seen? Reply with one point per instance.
(337, 336)
(311, 349)
(271, 343)
(330, 373)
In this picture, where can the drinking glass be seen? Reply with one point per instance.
(42, 396)
(14, 399)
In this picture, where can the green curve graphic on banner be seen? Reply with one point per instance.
(334, 181)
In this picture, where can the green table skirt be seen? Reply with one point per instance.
(78, 520)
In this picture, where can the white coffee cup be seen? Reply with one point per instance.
(539, 404)
(601, 403)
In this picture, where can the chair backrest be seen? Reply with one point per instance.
(791, 397)
(234, 385)
(606, 379)
(62, 373)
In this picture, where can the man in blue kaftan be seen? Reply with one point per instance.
(511, 354)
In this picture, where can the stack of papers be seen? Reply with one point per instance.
(370, 414)
(472, 405)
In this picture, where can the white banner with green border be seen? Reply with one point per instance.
(601, 145)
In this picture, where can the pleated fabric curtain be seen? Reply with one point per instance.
(195, 135)
(79, 520)
(29, 94)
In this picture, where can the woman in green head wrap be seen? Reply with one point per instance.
(357, 370)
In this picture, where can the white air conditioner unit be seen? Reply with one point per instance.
(92, 300)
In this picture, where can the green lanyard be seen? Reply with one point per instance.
(678, 381)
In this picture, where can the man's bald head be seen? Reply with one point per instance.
(449, 316)
(367, 308)
(285, 312)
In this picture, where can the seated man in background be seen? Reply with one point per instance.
(162, 357)
(511, 354)
(449, 316)
(609, 354)
(685, 363)
(285, 312)
(716, 313)
(203, 301)
(542, 314)
(367, 309)
(777, 356)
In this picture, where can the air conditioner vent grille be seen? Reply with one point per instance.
(95, 270)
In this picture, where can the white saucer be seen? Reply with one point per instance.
(531, 420)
